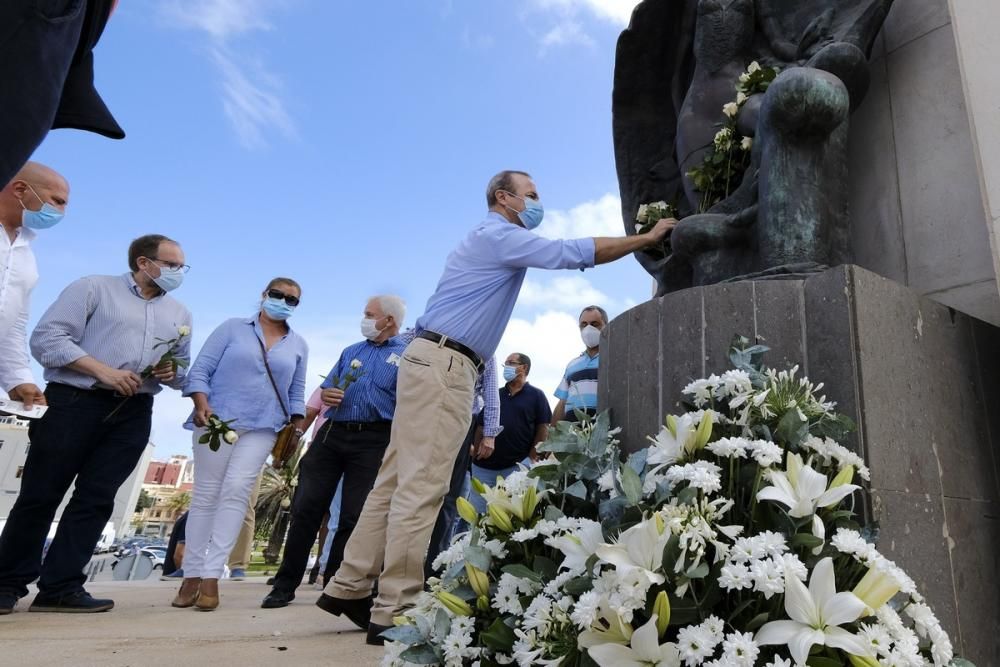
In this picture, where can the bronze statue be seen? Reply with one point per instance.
(677, 64)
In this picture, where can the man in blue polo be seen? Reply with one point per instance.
(461, 327)
(577, 392)
(525, 415)
(348, 447)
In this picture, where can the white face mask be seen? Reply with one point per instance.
(591, 336)
(369, 330)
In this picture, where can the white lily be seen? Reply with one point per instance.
(816, 613)
(608, 629)
(640, 547)
(578, 546)
(521, 504)
(645, 650)
(801, 489)
(680, 437)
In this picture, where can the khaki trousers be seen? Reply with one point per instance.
(239, 557)
(434, 393)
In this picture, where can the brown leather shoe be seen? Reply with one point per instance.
(188, 593)
(208, 599)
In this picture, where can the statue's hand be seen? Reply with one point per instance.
(659, 231)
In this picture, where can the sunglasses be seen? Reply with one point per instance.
(288, 298)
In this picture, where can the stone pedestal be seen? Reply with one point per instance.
(919, 379)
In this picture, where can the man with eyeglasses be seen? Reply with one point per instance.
(349, 446)
(34, 200)
(100, 344)
(461, 327)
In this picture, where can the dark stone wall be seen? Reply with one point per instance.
(919, 379)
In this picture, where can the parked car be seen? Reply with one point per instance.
(157, 553)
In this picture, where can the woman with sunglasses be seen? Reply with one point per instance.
(251, 370)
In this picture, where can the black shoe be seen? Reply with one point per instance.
(375, 631)
(277, 599)
(313, 574)
(359, 611)
(7, 603)
(80, 602)
(270, 581)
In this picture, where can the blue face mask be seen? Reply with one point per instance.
(532, 214)
(170, 279)
(509, 373)
(277, 309)
(45, 217)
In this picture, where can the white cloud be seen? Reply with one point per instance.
(565, 33)
(614, 11)
(571, 292)
(601, 217)
(251, 95)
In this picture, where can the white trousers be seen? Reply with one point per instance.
(223, 481)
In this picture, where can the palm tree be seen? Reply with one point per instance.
(179, 502)
(277, 487)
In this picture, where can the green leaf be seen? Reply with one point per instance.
(631, 485)
(442, 623)
(522, 571)
(204, 438)
(498, 637)
(820, 661)
(699, 572)
(405, 634)
(478, 557)
(806, 540)
(545, 567)
(421, 654)
(792, 428)
(578, 586)
(577, 490)
(756, 622)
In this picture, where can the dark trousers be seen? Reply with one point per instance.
(71, 442)
(336, 453)
(441, 537)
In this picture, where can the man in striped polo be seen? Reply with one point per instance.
(348, 447)
(99, 346)
(578, 390)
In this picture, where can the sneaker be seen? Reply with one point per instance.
(80, 602)
(277, 599)
(7, 603)
(237, 574)
(176, 574)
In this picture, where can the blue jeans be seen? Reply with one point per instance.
(73, 442)
(488, 478)
(331, 527)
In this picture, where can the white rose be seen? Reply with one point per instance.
(746, 144)
(641, 215)
(231, 437)
(355, 364)
(285, 503)
(741, 98)
(731, 109)
(754, 67)
(744, 78)
(638, 227)
(184, 330)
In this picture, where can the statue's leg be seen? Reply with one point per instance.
(848, 63)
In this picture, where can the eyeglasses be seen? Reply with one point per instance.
(170, 265)
(288, 298)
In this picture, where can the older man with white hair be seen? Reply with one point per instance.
(360, 391)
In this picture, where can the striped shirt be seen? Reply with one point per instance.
(484, 397)
(106, 317)
(579, 384)
(372, 397)
(230, 371)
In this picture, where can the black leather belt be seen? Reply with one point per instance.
(453, 344)
(357, 427)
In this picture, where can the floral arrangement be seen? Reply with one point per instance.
(731, 540)
(728, 157)
(647, 217)
(170, 356)
(217, 431)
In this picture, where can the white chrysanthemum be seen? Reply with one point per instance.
(877, 639)
(766, 453)
(695, 644)
(703, 475)
(735, 576)
(453, 554)
(510, 589)
(850, 542)
(729, 448)
(496, 548)
(739, 649)
(586, 609)
(768, 577)
(701, 391)
(524, 534)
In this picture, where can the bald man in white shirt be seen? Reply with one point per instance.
(35, 199)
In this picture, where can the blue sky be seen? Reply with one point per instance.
(347, 145)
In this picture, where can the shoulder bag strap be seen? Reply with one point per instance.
(274, 384)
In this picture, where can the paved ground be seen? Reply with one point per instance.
(144, 630)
